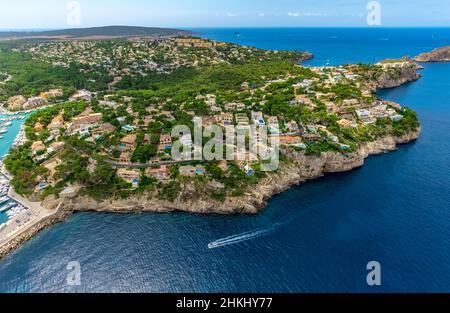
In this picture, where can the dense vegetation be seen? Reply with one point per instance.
(31, 76)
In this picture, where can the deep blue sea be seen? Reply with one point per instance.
(318, 237)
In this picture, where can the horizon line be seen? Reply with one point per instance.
(220, 27)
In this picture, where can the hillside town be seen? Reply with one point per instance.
(127, 136)
(120, 58)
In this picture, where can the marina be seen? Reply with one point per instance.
(6, 122)
(8, 206)
(3, 199)
(9, 209)
(17, 214)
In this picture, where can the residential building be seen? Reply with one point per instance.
(235, 106)
(38, 127)
(125, 157)
(56, 123)
(292, 127)
(191, 171)
(51, 165)
(290, 140)
(37, 147)
(208, 121)
(365, 116)
(165, 142)
(81, 95)
(57, 146)
(312, 137)
(258, 118)
(16, 102)
(130, 176)
(225, 119)
(103, 129)
(128, 142)
(304, 99)
(34, 102)
(346, 123)
(85, 121)
(161, 173)
(52, 93)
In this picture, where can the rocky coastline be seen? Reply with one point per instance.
(437, 55)
(300, 169)
(407, 72)
(304, 168)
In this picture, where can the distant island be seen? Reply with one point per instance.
(95, 33)
(101, 137)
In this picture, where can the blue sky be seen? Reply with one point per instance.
(29, 14)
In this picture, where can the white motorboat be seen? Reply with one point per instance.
(3, 199)
(7, 207)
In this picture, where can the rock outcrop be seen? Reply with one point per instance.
(437, 55)
(398, 74)
(303, 168)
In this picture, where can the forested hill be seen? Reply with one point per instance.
(107, 31)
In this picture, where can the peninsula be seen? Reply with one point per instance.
(437, 55)
(102, 139)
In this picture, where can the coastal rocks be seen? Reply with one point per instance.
(437, 55)
(398, 74)
(303, 168)
(306, 56)
(311, 167)
(149, 204)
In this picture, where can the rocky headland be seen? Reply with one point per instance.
(300, 168)
(406, 71)
(437, 55)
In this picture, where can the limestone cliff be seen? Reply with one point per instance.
(302, 169)
(398, 74)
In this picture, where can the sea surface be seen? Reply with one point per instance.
(318, 237)
(5, 144)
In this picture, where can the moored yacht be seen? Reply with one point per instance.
(7, 207)
(3, 199)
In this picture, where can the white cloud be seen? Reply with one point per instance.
(297, 14)
(262, 14)
(231, 14)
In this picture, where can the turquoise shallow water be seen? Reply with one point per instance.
(317, 237)
(5, 144)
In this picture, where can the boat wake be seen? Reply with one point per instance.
(250, 235)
